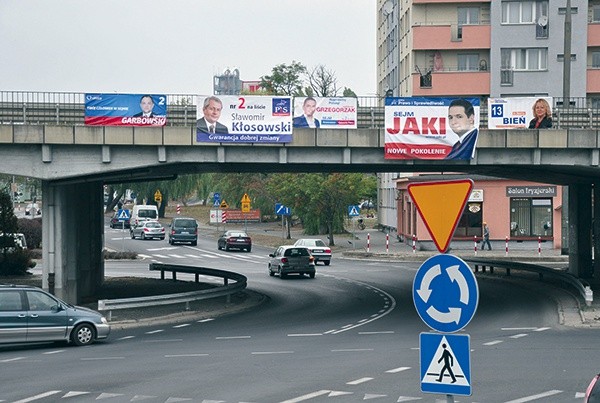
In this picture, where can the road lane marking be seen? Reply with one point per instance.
(351, 350)
(162, 340)
(182, 325)
(535, 397)
(13, 359)
(155, 331)
(37, 397)
(492, 343)
(541, 329)
(186, 355)
(396, 370)
(359, 381)
(307, 396)
(205, 320)
(160, 256)
(271, 352)
(513, 329)
(518, 336)
(54, 352)
(101, 358)
(126, 337)
(304, 334)
(232, 337)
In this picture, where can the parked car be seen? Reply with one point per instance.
(30, 314)
(290, 259)
(115, 223)
(183, 229)
(320, 251)
(592, 393)
(33, 209)
(235, 240)
(147, 230)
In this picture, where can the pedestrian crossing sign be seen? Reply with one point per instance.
(445, 363)
(123, 215)
(353, 211)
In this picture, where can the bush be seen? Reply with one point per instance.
(15, 263)
(32, 229)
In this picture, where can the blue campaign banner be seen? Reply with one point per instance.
(125, 110)
(244, 119)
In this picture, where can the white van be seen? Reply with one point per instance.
(143, 212)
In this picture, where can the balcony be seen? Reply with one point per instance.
(451, 36)
(593, 35)
(451, 83)
(593, 80)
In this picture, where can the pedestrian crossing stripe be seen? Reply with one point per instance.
(445, 363)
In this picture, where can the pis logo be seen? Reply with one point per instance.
(281, 107)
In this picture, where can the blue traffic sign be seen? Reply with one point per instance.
(353, 211)
(280, 209)
(445, 293)
(445, 363)
(123, 215)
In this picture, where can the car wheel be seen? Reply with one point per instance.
(132, 234)
(170, 241)
(249, 250)
(162, 238)
(83, 334)
(143, 236)
(327, 262)
(312, 275)
(219, 246)
(226, 248)
(194, 243)
(271, 273)
(282, 275)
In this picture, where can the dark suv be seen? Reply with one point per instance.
(30, 314)
(183, 229)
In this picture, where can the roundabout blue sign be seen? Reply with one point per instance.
(445, 293)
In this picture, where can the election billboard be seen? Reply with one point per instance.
(125, 110)
(519, 112)
(431, 128)
(244, 119)
(325, 113)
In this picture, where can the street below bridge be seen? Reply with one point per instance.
(351, 334)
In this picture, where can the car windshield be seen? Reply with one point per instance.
(147, 213)
(236, 234)
(185, 223)
(153, 224)
(293, 252)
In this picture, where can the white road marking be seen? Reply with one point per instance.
(74, 393)
(232, 337)
(205, 320)
(54, 352)
(160, 256)
(13, 359)
(541, 329)
(307, 396)
(37, 397)
(165, 248)
(492, 343)
(155, 331)
(579, 395)
(141, 255)
(512, 329)
(359, 381)
(396, 370)
(271, 352)
(407, 399)
(162, 341)
(535, 397)
(518, 336)
(304, 334)
(182, 325)
(185, 355)
(177, 256)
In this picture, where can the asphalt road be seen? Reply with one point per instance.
(349, 335)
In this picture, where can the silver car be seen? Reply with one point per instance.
(147, 230)
(317, 248)
(30, 314)
(291, 259)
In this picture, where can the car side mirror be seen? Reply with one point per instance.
(271, 255)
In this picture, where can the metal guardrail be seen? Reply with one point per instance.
(580, 285)
(186, 297)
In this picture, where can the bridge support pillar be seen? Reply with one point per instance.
(580, 230)
(596, 230)
(72, 239)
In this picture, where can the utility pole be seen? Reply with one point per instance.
(567, 57)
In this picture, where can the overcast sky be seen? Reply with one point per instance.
(176, 46)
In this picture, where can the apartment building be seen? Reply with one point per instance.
(497, 48)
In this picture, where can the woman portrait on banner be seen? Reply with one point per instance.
(542, 115)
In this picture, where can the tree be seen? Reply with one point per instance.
(285, 79)
(8, 223)
(322, 81)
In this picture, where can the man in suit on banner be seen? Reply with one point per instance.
(212, 112)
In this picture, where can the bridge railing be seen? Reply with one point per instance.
(22, 107)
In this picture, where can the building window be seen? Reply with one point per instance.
(596, 60)
(467, 16)
(470, 221)
(468, 61)
(530, 59)
(596, 13)
(530, 217)
(518, 12)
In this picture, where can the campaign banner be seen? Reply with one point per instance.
(431, 128)
(515, 113)
(125, 110)
(325, 113)
(244, 119)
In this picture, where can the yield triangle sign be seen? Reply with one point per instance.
(440, 205)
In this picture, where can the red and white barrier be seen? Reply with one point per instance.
(178, 209)
(506, 243)
(475, 243)
(387, 243)
(539, 246)
(414, 243)
(368, 242)
(224, 217)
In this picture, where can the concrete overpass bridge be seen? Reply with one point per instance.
(75, 161)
